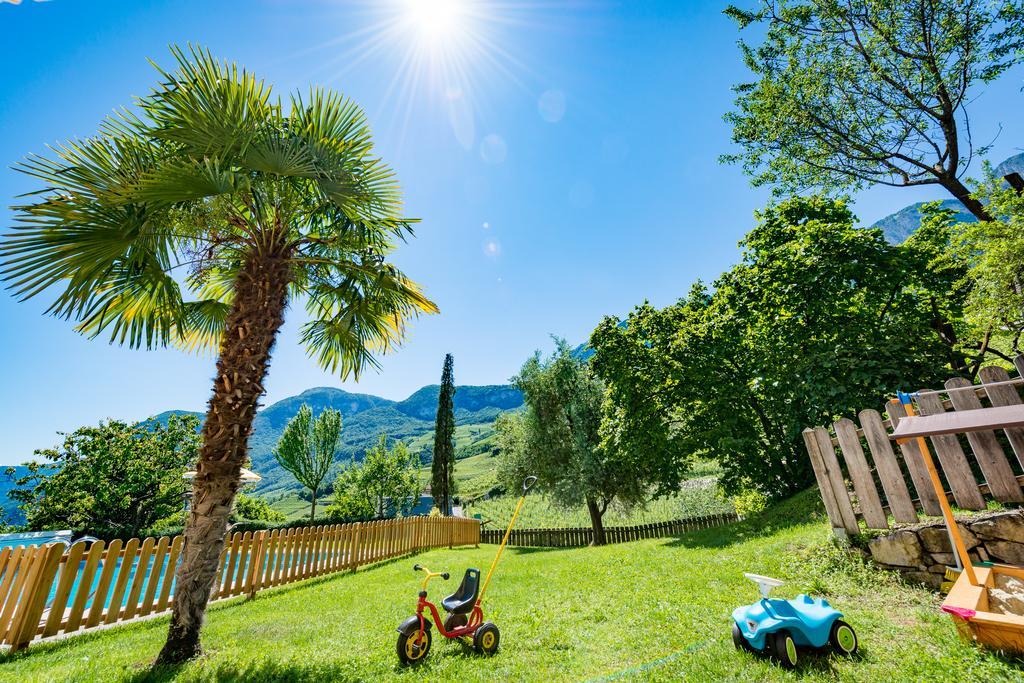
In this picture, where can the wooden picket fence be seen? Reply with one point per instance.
(582, 536)
(53, 590)
(893, 485)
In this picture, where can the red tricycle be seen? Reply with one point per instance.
(465, 618)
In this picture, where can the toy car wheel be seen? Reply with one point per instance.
(486, 639)
(739, 641)
(784, 649)
(842, 638)
(413, 647)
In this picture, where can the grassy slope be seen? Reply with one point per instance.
(651, 610)
(699, 496)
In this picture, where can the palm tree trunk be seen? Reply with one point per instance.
(252, 326)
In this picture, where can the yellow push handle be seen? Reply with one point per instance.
(527, 485)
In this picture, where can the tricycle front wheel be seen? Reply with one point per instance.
(413, 647)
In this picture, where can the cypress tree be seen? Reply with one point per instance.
(442, 469)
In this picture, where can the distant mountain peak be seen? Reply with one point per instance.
(899, 226)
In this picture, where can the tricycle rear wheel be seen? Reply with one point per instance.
(486, 639)
(413, 647)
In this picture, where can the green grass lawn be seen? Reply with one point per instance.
(650, 610)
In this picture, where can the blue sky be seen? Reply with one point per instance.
(561, 155)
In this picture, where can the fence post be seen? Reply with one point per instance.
(255, 564)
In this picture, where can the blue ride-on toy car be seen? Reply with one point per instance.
(777, 627)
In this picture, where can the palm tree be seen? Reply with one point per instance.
(260, 205)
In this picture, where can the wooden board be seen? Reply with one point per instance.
(889, 473)
(1002, 484)
(958, 422)
(1004, 395)
(951, 454)
(860, 473)
(835, 475)
(914, 460)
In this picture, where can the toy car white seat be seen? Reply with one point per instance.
(463, 599)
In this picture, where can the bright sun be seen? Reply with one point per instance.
(434, 20)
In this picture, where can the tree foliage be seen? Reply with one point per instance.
(819, 319)
(995, 252)
(307, 447)
(442, 470)
(385, 483)
(254, 508)
(567, 438)
(112, 480)
(854, 92)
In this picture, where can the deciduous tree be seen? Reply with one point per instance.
(820, 319)
(111, 480)
(848, 93)
(385, 483)
(568, 438)
(307, 447)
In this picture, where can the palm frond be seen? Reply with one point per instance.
(362, 313)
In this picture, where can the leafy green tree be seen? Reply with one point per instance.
(256, 509)
(995, 253)
(442, 469)
(386, 483)
(112, 480)
(558, 438)
(307, 447)
(848, 93)
(264, 203)
(820, 319)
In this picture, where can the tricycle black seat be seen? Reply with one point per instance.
(462, 600)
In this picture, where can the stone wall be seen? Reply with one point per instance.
(922, 552)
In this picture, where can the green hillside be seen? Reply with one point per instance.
(655, 610)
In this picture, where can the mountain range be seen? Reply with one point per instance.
(366, 417)
(900, 225)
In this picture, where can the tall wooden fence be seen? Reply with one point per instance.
(54, 589)
(581, 536)
(886, 483)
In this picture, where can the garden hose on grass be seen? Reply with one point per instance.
(657, 662)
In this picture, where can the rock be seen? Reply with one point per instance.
(935, 538)
(927, 578)
(945, 559)
(1007, 551)
(1003, 526)
(900, 549)
(937, 569)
